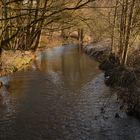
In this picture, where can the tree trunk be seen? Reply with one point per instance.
(128, 33)
(80, 38)
(113, 31)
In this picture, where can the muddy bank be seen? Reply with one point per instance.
(126, 80)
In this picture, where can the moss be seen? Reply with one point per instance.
(12, 69)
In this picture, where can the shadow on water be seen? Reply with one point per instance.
(61, 98)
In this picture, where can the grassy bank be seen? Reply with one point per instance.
(13, 61)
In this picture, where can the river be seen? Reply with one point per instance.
(62, 97)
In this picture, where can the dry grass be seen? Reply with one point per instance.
(46, 41)
(15, 60)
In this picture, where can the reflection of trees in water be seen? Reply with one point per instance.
(6, 106)
(4, 96)
(71, 67)
(48, 65)
(76, 68)
(72, 64)
(40, 63)
(9, 96)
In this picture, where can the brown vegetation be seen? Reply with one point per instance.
(13, 61)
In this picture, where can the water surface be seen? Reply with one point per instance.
(61, 98)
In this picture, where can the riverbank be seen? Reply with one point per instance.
(126, 80)
(98, 50)
(13, 61)
(16, 60)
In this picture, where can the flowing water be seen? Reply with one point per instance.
(62, 98)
